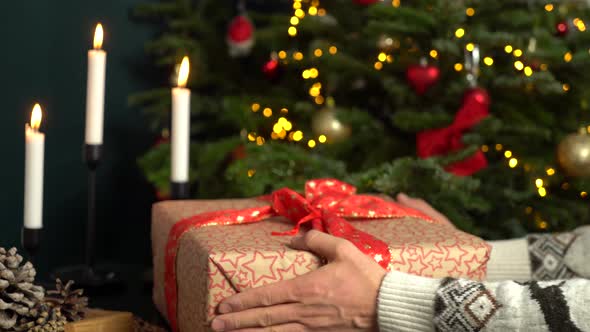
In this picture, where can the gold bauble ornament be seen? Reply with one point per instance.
(326, 122)
(573, 154)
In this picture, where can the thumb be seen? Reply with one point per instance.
(320, 243)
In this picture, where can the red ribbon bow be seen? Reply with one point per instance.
(325, 205)
(476, 103)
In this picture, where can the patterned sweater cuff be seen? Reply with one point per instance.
(406, 303)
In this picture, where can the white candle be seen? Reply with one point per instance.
(97, 60)
(181, 97)
(34, 154)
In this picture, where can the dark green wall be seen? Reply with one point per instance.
(43, 58)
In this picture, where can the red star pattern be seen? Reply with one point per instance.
(455, 253)
(263, 267)
(417, 266)
(232, 257)
(435, 263)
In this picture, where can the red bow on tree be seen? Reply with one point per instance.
(476, 103)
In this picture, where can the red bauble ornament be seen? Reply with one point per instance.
(422, 77)
(240, 36)
(238, 153)
(366, 2)
(562, 29)
(442, 141)
(272, 68)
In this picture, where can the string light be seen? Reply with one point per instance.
(313, 11)
(550, 171)
(507, 154)
(311, 143)
(542, 224)
(396, 3)
(488, 61)
(294, 20)
(469, 11)
(567, 57)
(580, 24)
(565, 87)
(382, 57)
(292, 31)
(284, 110)
(513, 162)
(321, 12)
(251, 172)
(583, 194)
(458, 66)
(459, 33)
(508, 48)
(543, 66)
(282, 55)
(252, 137)
(322, 138)
(378, 65)
(528, 71)
(305, 74)
(485, 148)
(470, 47)
(299, 13)
(297, 136)
(389, 58)
(296, 5)
(313, 73)
(565, 186)
(318, 52)
(319, 100)
(255, 107)
(539, 183)
(528, 210)
(548, 7)
(333, 50)
(517, 53)
(518, 65)
(499, 147)
(260, 140)
(298, 56)
(267, 112)
(542, 192)
(434, 54)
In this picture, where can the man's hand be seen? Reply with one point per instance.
(422, 206)
(340, 296)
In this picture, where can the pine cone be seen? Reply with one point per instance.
(70, 302)
(45, 318)
(18, 295)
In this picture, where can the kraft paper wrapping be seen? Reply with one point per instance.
(215, 262)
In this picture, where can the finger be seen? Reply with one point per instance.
(272, 294)
(258, 317)
(291, 327)
(323, 244)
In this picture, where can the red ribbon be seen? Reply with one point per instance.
(476, 103)
(325, 205)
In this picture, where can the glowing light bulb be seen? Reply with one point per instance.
(459, 33)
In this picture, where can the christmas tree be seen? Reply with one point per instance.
(461, 103)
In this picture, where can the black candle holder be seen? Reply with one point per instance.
(90, 276)
(179, 190)
(31, 241)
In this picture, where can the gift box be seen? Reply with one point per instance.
(207, 250)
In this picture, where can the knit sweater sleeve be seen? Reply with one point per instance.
(410, 303)
(530, 301)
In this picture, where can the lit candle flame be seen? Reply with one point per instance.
(98, 36)
(183, 72)
(36, 117)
